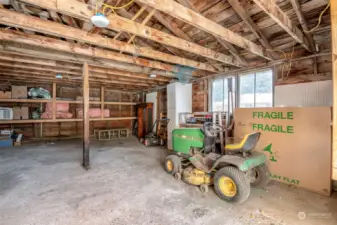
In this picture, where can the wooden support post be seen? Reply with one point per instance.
(333, 10)
(86, 122)
(120, 106)
(102, 102)
(54, 101)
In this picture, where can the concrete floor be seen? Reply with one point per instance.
(44, 184)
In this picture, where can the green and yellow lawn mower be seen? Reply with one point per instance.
(197, 161)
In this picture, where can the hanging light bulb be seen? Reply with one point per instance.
(99, 20)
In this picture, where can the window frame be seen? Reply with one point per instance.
(236, 86)
(255, 72)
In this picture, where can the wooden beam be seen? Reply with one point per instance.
(102, 102)
(39, 46)
(333, 11)
(195, 19)
(224, 43)
(297, 7)
(80, 10)
(48, 27)
(272, 9)
(252, 26)
(54, 101)
(86, 122)
(39, 68)
(133, 19)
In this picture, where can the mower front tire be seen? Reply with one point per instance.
(172, 164)
(231, 184)
(260, 176)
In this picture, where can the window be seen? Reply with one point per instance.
(256, 89)
(220, 94)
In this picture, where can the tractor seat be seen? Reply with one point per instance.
(248, 143)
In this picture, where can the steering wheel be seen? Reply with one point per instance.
(213, 128)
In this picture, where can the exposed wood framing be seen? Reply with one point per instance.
(102, 58)
(86, 122)
(334, 79)
(81, 11)
(102, 102)
(189, 16)
(133, 19)
(224, 43)
(54, 101)
(297, 7)
(270, 7)
(252, 26)
(32, 23)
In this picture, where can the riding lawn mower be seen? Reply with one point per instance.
(198, 160)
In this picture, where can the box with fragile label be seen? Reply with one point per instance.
(296, 141)
(19, 92)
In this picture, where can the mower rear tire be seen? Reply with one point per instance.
(260, 176)
(231, 184)
(172, 164)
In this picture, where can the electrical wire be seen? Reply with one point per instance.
(284, 54)
(116, 7)
(291, 56)
(319, 19)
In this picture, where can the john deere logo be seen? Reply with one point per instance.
(272, 156)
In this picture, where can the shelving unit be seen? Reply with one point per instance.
(55, 101)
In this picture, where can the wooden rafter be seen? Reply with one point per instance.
(40, 67)
(270, 7)
(303, 22)
(81, 11)
(252, 26)
(36, 51)
(224, 43)
(144, 22)
(48, 27)
(189, 16)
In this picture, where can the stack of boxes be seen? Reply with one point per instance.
(16, 113)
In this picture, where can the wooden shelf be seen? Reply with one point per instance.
(27, 100)
(63, 101)
(39, 121)
(114, 103)
(63, 120)
(113, 118)
(69, 101)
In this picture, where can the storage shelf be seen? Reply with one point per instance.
(113, 118)
(64, 101)
(62, 120)
(27, 100)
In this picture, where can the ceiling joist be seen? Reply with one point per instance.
(272, 9)
(189, 16)
(81, 11)
(47, 27)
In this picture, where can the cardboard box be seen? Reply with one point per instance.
(19, 92)
(16, 144)
(20, 113)
(296, 141)
(5, 94)
(24, 113)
